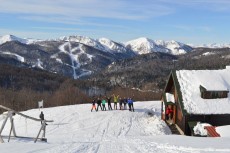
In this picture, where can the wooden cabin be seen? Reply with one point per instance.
(198, 96)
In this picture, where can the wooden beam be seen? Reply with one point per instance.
(12, 123)
(42, 128)
(10, 114)
(26, 116)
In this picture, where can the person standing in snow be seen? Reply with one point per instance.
(120, 103)
(93, 105)
(98, 103)
(42, 117)
(125, 102)
(169, 113)
(109, 103)
(115, 100)
(130, 103)
(103, 104)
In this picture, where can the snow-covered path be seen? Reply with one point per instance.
(76, 129)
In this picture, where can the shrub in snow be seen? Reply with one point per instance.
(199, 129)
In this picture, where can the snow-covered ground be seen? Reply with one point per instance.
(76, 129)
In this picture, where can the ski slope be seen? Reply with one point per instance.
(77, 130)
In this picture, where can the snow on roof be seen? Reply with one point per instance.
(214, 80)
(224, 131)
(170, 97)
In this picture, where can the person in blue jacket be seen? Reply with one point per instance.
(130, 103)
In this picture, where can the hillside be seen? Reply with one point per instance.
(76, 129)
(22, 88)
(151, 71)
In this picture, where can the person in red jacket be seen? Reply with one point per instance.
(169, 113)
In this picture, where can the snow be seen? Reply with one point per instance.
(214, 45)
(84, 40)
(145, 45)
(7, 38)
(19, 58)
(175, 47)
(200, 130)
(75, 130)
(213, 80)
(224, 131)
(74, 56)
(170, 97)
(112, 46)
(207, 53)
(39, 64)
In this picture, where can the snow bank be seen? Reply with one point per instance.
(19, 58)
(200, 130)
(224, 131)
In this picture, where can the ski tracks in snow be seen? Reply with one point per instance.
(78, 130)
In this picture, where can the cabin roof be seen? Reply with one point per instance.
(212, 80)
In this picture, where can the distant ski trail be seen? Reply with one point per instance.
(74, 54)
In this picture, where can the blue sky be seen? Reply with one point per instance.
(188, 21)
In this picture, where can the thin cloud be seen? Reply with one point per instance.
(113, 9)
(193, 28)
(211, 5)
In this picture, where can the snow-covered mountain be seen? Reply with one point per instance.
(84, 40)
(102, 44)
(76, 56)
(138, 46)
(112, 45)
(174, 46)
(73, 56)
(214, 45)
(7, 38)
(145, 45)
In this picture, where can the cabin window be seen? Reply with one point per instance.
(205, 94)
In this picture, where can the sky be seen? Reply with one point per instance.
(187, 21)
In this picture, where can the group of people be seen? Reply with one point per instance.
(123, 102)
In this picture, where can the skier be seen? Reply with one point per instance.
(115, 100)
(120, 103)
(130, 103)
(93, 105)
(125, 102)
(103, 104)
(98, 103)
(109, 103)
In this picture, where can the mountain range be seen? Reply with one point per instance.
(78, 56)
